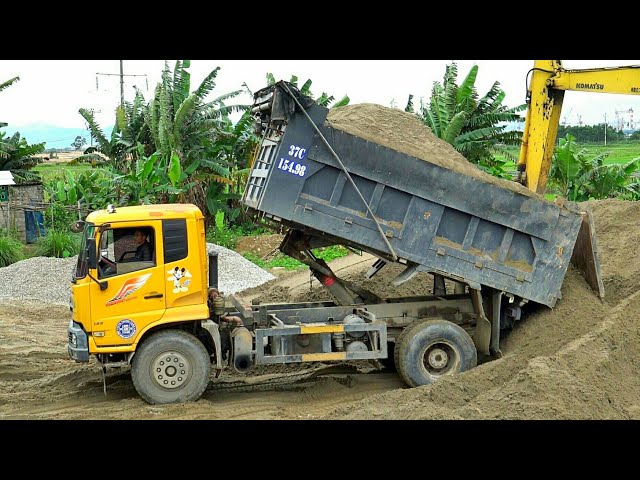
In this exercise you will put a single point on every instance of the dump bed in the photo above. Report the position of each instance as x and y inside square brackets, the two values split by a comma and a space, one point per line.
[428, 217]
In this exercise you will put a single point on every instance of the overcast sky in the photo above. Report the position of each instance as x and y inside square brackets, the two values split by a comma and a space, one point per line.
[52, 91]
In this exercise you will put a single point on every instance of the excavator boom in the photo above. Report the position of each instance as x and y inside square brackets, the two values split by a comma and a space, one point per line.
[549, 81]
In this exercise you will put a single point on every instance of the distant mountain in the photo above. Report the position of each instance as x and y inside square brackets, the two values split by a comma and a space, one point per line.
[510, 126]
[55, 137]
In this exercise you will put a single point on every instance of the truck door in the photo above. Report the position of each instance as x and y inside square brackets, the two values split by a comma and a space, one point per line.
[130, 263]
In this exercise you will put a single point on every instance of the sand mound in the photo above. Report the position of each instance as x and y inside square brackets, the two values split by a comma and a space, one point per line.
[404, 132]
[576, 361]
[616, 224]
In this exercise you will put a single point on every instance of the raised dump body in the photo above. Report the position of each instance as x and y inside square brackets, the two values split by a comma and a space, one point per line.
[340, 188]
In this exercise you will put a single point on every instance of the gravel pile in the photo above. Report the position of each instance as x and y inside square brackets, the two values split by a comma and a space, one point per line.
[236, 273]
[48, 280]
[43, 279]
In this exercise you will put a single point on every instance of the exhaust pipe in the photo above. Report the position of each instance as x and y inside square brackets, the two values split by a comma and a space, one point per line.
[213, 270]
[241, 345]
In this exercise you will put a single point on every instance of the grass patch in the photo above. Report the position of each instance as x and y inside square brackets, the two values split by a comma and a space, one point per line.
[283, 261]
[51, 171]
[620, 152]
[58, 244]
[228, 236]
[11, 249]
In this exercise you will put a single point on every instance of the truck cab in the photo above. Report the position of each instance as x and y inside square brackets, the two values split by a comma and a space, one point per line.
[116, 298]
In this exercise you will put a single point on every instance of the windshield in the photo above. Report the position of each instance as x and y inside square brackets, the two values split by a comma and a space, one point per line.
[82, 268]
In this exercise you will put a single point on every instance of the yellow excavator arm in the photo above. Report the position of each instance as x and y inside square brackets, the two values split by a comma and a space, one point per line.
[549, 81]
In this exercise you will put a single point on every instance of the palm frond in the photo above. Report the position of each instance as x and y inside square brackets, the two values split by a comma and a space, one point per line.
[8, 83]
[454, 127]
[479, 134]
[467, 86]
[342, 102]
[306, 88]
[224, 97]
[121, 122]
[450, 93]
[182, 115]
[409, 106]
[208, 84]
[94, 128]
[438, 110]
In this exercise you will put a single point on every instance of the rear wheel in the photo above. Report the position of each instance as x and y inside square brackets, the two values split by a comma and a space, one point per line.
[171, 366]
[427, 350]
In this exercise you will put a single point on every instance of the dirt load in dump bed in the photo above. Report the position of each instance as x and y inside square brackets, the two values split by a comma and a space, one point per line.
[405, 133]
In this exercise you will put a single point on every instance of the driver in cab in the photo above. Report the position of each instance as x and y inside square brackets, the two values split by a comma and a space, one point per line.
[143, 250]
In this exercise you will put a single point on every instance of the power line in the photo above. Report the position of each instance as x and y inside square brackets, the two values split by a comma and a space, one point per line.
[121, 75]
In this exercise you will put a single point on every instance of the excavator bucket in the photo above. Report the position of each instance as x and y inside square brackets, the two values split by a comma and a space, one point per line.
[585, 252]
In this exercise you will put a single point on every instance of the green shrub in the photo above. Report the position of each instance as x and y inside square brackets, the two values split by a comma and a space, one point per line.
[331, 253]
[11, 249]
[228, 236]
[284, 261]
[58, 244]
[57, 217]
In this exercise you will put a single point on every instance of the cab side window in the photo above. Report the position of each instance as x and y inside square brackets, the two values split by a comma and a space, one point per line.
[124, 250]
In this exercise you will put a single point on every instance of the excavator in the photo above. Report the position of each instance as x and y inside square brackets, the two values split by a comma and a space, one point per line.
[545, 93]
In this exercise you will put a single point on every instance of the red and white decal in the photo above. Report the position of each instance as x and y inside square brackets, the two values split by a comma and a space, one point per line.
[128, 288]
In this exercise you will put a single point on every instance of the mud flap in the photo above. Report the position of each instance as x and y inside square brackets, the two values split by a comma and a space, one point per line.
[214, 332]
[495, 301]
[482, 335]
[585, 252]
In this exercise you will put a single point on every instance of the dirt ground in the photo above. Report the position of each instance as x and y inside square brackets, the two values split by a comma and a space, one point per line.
[261, 245]
[576, 361]
[61, 157]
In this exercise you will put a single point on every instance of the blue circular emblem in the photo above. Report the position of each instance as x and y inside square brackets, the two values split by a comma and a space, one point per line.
[126, 328]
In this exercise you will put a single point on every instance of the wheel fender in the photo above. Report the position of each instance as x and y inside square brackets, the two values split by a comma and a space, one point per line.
[213, 330]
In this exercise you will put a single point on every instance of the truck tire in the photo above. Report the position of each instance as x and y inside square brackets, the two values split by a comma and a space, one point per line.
[426, 350]
[171, 366]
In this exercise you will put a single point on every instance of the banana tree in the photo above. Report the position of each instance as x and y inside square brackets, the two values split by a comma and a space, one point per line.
[133, 128]
[578, 178]
[324, 99]
[186, 129]
[474, 126]
[4, 146]
[152, 180]
[19, 157]
[113, 150]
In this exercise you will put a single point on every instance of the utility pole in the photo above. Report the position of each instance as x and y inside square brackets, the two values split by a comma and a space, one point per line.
[605, 129]
[122, 87]
[121, 75]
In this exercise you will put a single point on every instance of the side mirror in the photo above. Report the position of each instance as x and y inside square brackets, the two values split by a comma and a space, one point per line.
[78, 226]
[92, 260]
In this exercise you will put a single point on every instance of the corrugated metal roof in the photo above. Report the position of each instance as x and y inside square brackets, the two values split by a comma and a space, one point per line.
[6, 178]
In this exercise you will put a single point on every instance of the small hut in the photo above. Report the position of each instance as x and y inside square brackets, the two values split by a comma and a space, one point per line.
[20, 206]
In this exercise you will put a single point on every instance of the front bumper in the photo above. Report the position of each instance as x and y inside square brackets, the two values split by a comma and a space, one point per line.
[78, 342]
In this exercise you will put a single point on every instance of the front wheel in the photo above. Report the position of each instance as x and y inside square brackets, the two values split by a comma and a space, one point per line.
[427, 350]
[171, 366]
